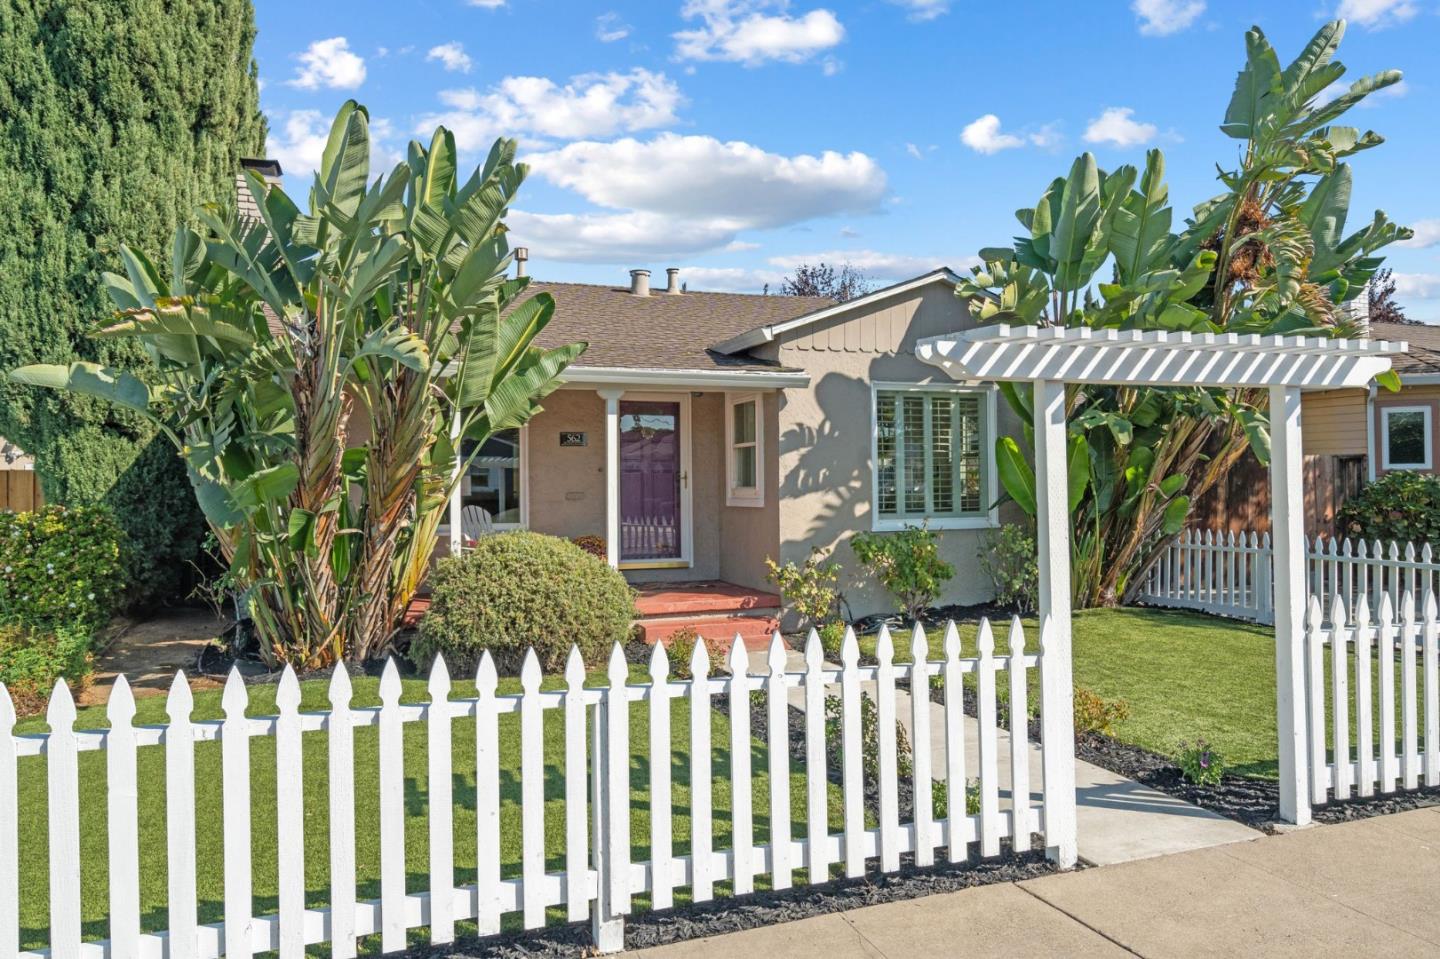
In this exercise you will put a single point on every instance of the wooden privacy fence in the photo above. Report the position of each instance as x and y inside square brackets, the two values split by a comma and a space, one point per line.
[598, 875]
[1364, 723]
[1230, 575]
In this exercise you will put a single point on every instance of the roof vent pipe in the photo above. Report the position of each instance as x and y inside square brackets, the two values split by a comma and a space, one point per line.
[640, 282]
[522, 253]
[672, 280]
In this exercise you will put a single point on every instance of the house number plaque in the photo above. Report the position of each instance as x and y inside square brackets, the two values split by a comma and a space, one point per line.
[572, 439]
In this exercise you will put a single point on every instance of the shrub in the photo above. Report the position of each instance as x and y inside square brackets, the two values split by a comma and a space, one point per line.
[810, 587]
[1008, 556]
[1400, 506]
[60, 567]
[940, 798]
[594, 545]
[1096, 714]
[832, 637]
[31, 660]
[682, 646]
[1201, 763]
[869, 736]
[518, 590]
[906, 563]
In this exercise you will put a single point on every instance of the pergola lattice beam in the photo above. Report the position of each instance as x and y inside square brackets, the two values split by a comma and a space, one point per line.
[1156, 358]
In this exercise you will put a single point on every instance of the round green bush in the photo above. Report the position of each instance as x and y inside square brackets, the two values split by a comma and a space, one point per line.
[1401, 506]
[516, 590]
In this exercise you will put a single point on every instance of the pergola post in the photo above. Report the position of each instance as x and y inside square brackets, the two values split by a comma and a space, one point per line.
[1052, 529]
[1287, 523]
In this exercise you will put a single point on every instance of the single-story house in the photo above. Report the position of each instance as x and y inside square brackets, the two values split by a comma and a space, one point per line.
[701, 434]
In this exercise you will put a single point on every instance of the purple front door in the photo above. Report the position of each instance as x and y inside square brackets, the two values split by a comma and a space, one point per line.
[650, 478]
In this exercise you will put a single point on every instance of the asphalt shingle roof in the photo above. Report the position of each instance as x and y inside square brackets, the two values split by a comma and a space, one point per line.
[663, 330]
[1424, 340]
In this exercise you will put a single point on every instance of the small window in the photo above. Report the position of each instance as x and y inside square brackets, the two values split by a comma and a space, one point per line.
[743, 454]
[1406, 436]
[930, 462]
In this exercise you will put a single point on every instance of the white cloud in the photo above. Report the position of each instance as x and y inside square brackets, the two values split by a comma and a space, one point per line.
[922, 10]
[699, 176]
[1377, 14]
[877, 265]
[742, 31]
[740, 246]
[984, 135]
[725, 279]
[1427, 234]
[688, 194]
[330, 64]
[1117, 126]
[1160, 18]
[452, 56]
[914, 151]
[1416, 286]
[609, 28]
[487, 4]
[539, 109]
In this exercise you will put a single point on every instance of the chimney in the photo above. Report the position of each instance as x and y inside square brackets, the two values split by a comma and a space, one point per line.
[640, 282]
[672, 280]
[267, 170]
[522, 253]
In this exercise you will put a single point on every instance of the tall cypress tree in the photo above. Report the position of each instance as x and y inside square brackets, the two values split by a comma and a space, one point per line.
[117, 118]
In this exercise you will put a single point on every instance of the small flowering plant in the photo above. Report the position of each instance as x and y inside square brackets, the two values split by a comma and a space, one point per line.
[60, 567]
[1201, 763]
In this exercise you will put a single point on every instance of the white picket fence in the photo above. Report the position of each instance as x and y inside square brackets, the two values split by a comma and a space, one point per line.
[1230, 575]
[599, 876]
[1364, 734]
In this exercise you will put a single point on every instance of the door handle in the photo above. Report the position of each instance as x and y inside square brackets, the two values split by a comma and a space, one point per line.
[684, 479]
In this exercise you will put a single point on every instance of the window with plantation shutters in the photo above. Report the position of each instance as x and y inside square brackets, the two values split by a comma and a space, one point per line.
[929, 454]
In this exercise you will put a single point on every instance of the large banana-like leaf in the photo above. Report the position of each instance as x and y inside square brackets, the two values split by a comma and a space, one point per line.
[117, 386]
[1080, 210]
[1016, 474]
[345, 163]
[1141, 231]
[1258, 88]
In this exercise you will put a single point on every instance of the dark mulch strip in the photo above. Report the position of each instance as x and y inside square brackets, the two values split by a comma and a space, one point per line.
[1254, 802]
[726, 915]
[934, 618]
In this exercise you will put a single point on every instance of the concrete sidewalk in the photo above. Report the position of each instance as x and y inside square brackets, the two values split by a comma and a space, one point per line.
[1367, 888]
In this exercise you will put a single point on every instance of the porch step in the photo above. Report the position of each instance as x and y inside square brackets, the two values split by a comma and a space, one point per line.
[718, 632]
[715, 597]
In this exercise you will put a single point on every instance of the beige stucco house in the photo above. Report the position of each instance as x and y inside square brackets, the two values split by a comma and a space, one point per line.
[702, 433]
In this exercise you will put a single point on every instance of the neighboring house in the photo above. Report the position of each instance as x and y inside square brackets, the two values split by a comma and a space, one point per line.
[1350, 437]
[702, 433]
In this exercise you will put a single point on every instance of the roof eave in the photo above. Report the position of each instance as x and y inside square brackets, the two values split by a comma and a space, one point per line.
[575, 376]
[767, 333]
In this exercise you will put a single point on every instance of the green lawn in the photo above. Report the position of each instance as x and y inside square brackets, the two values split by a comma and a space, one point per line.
[33, 828]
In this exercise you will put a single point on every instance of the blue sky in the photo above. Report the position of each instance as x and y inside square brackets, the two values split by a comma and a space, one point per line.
[736, 138]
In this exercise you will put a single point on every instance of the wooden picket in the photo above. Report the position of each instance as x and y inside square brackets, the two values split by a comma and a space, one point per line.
[598, 872]
[1396, 696]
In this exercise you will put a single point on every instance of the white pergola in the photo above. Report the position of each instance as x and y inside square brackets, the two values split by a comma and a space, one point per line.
[1285, 365]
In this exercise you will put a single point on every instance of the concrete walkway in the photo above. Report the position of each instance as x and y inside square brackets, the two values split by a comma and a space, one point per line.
[1117, 819]
[1366, 888]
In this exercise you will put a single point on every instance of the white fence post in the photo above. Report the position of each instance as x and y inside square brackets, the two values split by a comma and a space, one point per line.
[1057, 742]
[607, 928]
[122, 822]
[290, 816]
[235, 777]
[442, 830]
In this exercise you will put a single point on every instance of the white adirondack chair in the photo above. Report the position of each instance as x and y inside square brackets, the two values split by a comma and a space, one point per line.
[475, 522]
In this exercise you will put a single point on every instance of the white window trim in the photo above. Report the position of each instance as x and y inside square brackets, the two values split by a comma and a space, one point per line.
[989, 518]
[1389, 464]
[744, 495]
[443, 530]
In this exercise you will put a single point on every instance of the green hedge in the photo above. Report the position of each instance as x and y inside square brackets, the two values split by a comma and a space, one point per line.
[516, 590]
[60, 567]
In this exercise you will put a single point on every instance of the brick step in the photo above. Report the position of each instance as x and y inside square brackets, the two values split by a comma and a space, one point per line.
[709, 597]
[718, 634]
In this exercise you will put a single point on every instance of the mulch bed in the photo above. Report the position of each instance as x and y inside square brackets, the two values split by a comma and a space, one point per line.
[725, 915]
